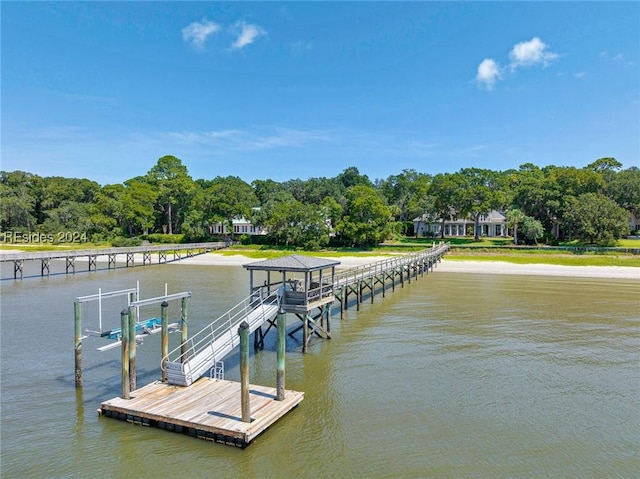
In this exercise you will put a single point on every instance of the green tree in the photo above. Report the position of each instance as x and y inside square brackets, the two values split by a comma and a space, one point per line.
[265, 189]
[351, 177]
[317, 189]
[17, 201]
[106, 211]
[624, 189]
[68, 216]
[331, 211]
[577, 181]
[408, 193]
[175, 187]
[447, 191]
[293, 223]
[229, 198]
[604, 164]
[366, 220]
[536, 193]
[138, 201]
[594, 218]
[481, 193]
[532, 229]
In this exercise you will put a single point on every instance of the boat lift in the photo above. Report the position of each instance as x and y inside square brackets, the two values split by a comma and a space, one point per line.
[138, 329]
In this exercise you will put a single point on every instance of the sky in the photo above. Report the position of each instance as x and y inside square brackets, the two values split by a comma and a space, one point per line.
[272, 90]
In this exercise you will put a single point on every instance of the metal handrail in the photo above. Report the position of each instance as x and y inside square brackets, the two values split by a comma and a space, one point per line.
[224, 323]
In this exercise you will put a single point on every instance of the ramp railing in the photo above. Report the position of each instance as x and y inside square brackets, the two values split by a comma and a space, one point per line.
[197, 355]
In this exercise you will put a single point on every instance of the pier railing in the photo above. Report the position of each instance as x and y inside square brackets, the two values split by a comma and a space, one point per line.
[111, 251]
[45, 257]
[192, 359]
[369, 270]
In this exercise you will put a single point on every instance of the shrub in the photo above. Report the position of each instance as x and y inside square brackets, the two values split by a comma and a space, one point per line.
[121, 241]
[164, 238]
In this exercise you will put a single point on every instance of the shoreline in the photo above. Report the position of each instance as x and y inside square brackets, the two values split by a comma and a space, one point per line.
[454, 266]
[457, 266]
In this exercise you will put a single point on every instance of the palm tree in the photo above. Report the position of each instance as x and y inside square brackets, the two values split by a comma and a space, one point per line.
[515, 217]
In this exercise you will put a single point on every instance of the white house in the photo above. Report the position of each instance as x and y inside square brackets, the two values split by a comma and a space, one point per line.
[492, 225]
[241, 226]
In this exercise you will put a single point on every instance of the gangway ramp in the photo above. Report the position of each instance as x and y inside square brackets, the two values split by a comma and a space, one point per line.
[189, 361]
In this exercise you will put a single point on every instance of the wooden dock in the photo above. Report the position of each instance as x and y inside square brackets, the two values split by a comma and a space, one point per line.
[209, 409]
[179, 251]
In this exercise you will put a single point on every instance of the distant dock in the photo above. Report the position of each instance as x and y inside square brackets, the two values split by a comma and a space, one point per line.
[208, 409]
[178, 251]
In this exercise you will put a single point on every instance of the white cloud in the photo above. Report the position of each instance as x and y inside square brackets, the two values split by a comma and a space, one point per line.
[300, 46]
[618, 57]
[524, 54]
[198, 32]
[257, 139]
[531, 53]
[488, 73]
[248, 33]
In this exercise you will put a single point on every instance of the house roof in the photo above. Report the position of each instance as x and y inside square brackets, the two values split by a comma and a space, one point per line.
[292, 263]
[494, 216]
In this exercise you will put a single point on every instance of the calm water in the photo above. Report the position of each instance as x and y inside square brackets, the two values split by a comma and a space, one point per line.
[452, 376]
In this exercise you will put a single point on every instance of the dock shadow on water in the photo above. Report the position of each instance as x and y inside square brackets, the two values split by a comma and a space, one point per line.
[453, 375]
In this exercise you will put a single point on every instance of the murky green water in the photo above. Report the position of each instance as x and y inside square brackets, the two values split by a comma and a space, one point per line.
[452, 376]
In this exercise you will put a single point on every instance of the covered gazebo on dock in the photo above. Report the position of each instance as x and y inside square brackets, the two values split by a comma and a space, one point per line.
[306, 283]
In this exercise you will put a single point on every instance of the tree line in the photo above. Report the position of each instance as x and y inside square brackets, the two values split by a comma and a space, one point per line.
[591, 204]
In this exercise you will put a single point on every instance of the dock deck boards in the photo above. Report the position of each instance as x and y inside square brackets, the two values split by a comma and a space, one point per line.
[209, 409]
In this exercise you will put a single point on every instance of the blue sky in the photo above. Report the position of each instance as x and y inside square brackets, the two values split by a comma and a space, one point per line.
[304, 89]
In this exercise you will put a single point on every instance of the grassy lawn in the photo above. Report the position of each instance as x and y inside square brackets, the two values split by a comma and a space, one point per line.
[554, 259]
[498, 242]
[28, 248]
[270, 252]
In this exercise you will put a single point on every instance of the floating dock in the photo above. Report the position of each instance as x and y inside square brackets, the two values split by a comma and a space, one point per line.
[209, 409]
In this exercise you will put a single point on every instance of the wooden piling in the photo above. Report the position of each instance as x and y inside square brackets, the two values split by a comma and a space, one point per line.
[281, 322]
[77, 339]
[243, 331]
[124, 325]
[164, 317]
[305, 333]
[133, 318]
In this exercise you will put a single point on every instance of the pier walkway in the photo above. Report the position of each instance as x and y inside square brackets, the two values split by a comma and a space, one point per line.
[375, 277]
[188, 362]
[234, 413]
[178, 251]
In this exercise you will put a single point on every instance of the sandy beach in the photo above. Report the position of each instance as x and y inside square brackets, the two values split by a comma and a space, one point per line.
[453, 266]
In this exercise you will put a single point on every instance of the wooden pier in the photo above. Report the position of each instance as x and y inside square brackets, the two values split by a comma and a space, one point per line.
[209, 409]
[234, 413]
[178, 251]
[377, 277]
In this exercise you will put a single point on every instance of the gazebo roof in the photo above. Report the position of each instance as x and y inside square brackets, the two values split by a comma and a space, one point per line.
[292, 263]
